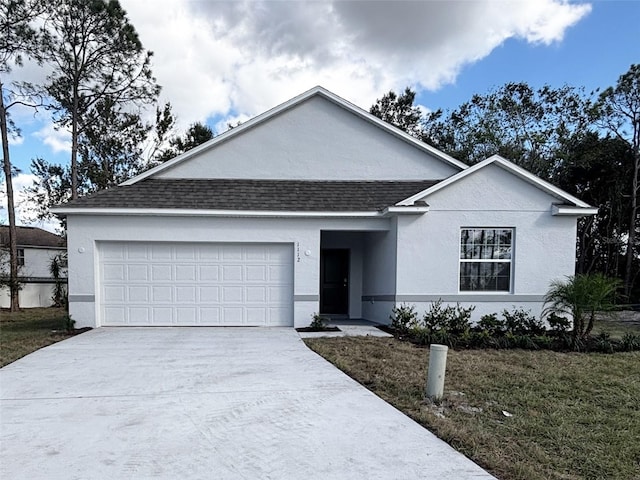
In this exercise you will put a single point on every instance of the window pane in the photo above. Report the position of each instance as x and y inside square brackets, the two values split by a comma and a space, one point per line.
[485, 276]
[487, 244]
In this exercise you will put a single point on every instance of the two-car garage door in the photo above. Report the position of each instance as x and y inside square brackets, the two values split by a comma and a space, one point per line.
[180, 284]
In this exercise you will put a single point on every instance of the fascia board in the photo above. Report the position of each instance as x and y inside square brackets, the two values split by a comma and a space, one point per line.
[386, 212]
[408, 210]
[61, 211]
[570, 210]
[263, 117]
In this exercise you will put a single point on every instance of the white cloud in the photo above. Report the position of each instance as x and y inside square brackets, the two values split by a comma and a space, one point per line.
[243, 57]
[25, 210]
[233, 120]
[58, 139]
[239, 58]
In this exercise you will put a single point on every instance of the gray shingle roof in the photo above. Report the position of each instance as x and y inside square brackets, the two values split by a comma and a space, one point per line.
[32, 237]
[265, 195]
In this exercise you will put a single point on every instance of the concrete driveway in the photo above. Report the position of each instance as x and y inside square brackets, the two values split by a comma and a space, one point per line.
[204, 403]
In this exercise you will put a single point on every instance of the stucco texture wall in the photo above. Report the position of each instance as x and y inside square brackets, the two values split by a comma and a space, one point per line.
[316, 140]
[86, 232]
[428, 246]
[37, 262]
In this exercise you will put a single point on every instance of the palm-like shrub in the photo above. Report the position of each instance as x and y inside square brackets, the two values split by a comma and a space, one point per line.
[580, 297]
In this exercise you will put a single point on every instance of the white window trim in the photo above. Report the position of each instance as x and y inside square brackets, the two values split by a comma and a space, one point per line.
[488, 260]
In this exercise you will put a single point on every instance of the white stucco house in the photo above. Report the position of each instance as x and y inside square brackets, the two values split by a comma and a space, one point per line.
[36, 249]
[315, 206]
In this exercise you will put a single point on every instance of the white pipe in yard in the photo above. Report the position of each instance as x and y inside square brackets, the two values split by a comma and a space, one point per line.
[437, 367]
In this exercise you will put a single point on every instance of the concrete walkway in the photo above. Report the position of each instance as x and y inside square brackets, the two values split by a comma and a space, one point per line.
[204, 403]
[348, 331]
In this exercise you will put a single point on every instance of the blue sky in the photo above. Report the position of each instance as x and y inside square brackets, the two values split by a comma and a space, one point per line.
[594, 53]
[229, 61]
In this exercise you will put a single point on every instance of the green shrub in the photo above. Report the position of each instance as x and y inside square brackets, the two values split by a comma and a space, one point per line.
[318, 322]
[602, 343]
[403, 318]
[630, 342]
[69, 324]
[491, 324]
[451, 325]
[453, 320]
[544, 342]
[521, 322]
[479, 339]
[557, 323]
[517, 340]
[460, 320]
[436, 318]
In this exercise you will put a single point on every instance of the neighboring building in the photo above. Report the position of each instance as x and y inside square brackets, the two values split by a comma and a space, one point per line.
[315, 206]
[36, 249]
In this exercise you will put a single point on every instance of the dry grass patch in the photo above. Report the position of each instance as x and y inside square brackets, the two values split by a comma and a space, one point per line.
[574, 415]
[29, 330]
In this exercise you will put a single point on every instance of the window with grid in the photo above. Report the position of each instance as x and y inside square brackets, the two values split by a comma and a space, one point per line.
[486, 259]
[21, 257]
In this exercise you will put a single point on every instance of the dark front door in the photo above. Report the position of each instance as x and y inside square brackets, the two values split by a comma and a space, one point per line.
[334, 281]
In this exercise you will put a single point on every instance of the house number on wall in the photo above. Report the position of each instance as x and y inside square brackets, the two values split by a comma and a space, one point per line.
[297, 251]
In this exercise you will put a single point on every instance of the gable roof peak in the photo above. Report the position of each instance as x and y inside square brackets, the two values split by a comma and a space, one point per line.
[511, 168]
[288, 105]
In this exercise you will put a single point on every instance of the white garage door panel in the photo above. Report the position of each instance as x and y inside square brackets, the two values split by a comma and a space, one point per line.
[196, 284]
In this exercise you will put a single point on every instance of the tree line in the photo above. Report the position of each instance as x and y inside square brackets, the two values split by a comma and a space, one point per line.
[98, 86]
[588, 144]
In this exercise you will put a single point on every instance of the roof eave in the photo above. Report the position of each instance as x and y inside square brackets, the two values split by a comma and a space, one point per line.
[573, 211]
[382, 213]
[405, 210]
[61, 211]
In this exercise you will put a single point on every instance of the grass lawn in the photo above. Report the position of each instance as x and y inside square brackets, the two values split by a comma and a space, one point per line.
[28, 330]
[574, 415]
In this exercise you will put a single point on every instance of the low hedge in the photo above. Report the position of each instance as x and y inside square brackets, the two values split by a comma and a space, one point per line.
[451, 326]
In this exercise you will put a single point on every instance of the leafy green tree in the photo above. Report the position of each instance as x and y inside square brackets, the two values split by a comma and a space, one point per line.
[165, 122]
[51, 187]
[619, 111]
[114, 148]
[111, 147]
[580, 298]
[399, 111]
[598, 170]
[520, 123]
[97, 59]
[197, 134]
[18, 39]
